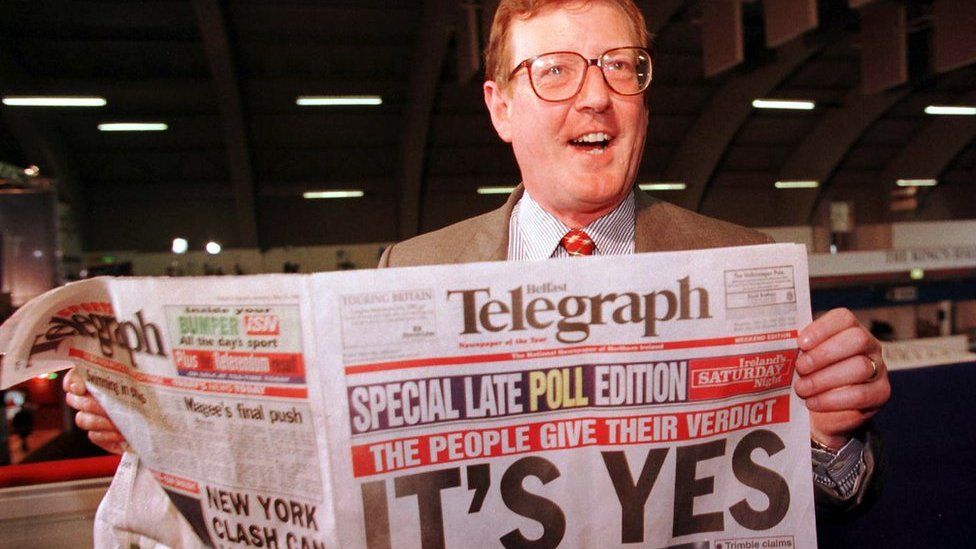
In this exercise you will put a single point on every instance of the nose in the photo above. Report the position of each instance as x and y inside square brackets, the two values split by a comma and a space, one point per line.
[595, 93]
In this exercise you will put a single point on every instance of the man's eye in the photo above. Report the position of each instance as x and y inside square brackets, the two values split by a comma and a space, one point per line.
[620, 65]
[555, 70]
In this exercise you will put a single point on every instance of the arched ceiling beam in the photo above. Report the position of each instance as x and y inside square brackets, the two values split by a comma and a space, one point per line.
[488, 8]
[660, 12]
[468, 40]
[824, 147]
[213, 32]
[932, 150]
[426, 63]
[729, 108]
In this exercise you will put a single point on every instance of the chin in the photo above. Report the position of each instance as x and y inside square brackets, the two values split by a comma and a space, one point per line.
[608, 187]
[602, 197]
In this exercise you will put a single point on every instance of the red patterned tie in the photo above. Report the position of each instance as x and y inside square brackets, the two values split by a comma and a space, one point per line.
[577, 243]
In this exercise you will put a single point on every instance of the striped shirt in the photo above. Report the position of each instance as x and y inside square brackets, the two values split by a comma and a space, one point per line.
[534, 233]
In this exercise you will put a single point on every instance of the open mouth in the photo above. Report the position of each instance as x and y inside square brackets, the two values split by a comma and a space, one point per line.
[592, 143]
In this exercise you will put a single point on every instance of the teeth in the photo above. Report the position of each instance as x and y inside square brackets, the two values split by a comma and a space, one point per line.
[595, 137]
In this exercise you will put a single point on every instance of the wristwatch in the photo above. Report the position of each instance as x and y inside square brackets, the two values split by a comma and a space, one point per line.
[838, 470]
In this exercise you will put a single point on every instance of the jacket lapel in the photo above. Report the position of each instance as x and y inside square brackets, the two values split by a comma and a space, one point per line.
[651, 231]
[489, 241]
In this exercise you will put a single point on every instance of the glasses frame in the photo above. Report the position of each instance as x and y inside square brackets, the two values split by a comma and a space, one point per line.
[596, 62]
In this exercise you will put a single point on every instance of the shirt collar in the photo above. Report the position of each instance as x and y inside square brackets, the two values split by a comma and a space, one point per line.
[613, 233]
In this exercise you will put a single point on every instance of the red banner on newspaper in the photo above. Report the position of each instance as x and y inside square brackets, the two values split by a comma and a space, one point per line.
[410, 452]
[241, 366]
[186, 485]
[726, 376]
[203, 385]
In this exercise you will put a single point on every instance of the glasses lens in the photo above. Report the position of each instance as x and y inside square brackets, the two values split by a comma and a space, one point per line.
[627, 70]
[557, 76]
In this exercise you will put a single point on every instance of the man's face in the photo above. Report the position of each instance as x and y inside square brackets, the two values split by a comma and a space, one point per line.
[575, 181]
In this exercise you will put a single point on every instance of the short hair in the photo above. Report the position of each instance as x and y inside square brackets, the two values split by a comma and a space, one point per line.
[497, 53]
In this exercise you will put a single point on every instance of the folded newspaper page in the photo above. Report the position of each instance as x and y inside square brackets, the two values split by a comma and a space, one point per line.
[586, 402]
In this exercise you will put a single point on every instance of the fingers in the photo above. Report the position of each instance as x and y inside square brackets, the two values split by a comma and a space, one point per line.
[102, 432]
[825, 327]
[841, 375]
[109, 441]
[849, 342]
[863, 398]
[73, 383]
[85, 403]
[94, 422]
[91, 416]
[850, 371]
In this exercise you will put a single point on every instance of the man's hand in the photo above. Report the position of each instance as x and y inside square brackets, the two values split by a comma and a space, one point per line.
[843, 378]
[91, 416]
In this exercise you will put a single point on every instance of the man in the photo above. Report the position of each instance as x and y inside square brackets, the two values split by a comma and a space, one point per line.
[577, 125]
[566, 83]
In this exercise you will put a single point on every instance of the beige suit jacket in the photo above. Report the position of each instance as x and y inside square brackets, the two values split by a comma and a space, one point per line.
[658, 226]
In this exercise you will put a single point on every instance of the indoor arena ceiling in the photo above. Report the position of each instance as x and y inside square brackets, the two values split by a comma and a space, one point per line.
[239, 152]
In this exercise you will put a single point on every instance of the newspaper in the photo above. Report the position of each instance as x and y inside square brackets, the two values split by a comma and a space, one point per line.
[582, 402]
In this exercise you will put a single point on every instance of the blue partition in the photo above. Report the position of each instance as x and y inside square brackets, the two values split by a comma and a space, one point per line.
[928, 498]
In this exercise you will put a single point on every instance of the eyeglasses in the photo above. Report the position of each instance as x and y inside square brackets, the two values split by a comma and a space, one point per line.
[559, 75]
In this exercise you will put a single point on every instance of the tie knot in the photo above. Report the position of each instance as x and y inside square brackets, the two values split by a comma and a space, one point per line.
[576, 242]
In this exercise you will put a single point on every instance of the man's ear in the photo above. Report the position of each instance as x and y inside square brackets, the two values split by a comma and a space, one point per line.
[498, 102]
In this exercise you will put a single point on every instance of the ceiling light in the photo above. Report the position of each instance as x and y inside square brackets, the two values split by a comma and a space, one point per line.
[796, 184]
[53, 101]
[917, 182]
[950, 110]
[495, 190]
[675, 186]
[338, 100]
[784, 104]
[133, 127]
[180, 246]
[213, 248]
[348, 193]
